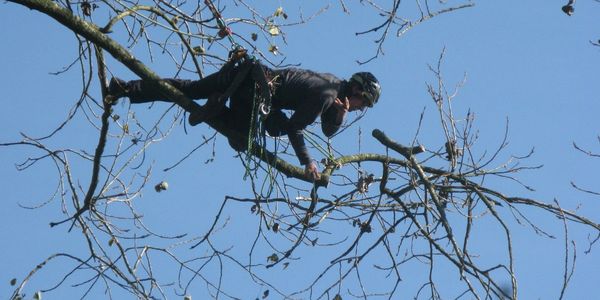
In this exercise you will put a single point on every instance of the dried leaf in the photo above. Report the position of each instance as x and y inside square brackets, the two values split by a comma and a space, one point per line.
[273, 49]
[86, 7]
[278, 12]
[337, 297]
[37, 295]
[126, 128]
[223, 32]
[199, 50]
[568, 9]
[365, 227]
[254, 37]
[274, 30]
[161, 186]
[276, 227]
[13, 281]
[273, 258]
[265, 294]
[187, 297]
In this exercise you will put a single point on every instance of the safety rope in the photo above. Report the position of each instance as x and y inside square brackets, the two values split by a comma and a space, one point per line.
[224, 31]
[261, 99]
[261, 102]
[317, 145]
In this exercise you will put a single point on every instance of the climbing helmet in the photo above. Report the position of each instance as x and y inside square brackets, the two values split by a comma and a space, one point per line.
[369, 85]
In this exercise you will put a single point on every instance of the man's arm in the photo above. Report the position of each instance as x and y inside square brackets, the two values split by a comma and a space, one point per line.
[332, 119]
[296, 137]
[278, 124]
[301, 118]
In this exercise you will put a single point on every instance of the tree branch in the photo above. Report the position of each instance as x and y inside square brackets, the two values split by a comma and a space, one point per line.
[95, 35]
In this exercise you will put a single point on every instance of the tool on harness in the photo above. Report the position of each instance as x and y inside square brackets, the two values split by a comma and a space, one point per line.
[237, 53]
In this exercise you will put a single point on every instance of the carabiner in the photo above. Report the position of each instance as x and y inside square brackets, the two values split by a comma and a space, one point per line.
[264, 109]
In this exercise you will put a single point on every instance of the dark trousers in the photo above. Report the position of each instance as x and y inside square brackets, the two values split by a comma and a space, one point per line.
[237, 116]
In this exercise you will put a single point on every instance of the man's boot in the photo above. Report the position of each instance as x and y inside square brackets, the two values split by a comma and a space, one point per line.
[117, 88]
[213, 107]
[238, 145]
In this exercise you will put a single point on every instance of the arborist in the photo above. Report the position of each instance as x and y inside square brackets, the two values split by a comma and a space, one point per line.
[305, 93]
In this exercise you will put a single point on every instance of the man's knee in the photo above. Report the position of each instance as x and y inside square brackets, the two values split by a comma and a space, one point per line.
[238, 145]
[276, 123]
[275, 131]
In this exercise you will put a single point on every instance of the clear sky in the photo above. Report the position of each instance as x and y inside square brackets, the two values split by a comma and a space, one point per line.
[525, 62]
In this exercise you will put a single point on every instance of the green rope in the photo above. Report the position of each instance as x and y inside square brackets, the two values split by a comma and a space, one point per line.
[257, 137]
[254, 128]
[256, 131]
[314, 143]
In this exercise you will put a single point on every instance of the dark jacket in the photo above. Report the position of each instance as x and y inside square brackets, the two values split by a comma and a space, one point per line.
[309, 95]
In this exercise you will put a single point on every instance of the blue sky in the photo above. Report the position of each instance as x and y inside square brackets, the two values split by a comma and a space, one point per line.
[525, 62]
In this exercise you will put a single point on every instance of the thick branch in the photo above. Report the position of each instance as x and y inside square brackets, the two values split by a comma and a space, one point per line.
[94, 34]
[386, 141]
[89, 200]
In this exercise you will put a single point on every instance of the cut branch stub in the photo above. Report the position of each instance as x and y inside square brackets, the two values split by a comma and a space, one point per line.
[405, 151]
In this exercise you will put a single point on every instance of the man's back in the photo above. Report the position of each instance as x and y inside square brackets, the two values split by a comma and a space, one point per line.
[299, 87]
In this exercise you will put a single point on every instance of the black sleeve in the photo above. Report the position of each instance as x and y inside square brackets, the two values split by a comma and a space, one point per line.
[297, 140]
[302, 117]
[329, 123]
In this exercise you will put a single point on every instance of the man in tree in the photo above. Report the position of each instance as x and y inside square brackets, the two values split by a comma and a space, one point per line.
[308, 94]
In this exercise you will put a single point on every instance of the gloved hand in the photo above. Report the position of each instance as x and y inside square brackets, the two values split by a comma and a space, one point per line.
[117, 88]
[311, 171]
[342, 107]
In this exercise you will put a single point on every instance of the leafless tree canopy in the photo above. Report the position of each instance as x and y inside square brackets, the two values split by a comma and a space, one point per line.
[404, 207]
